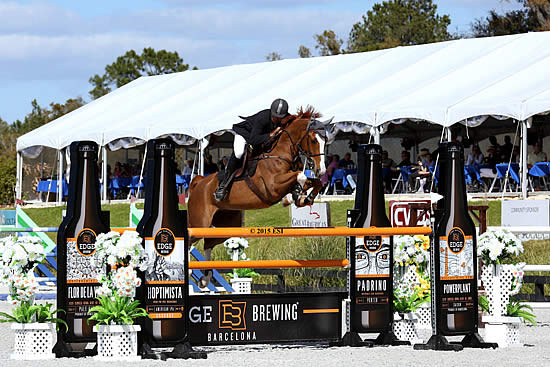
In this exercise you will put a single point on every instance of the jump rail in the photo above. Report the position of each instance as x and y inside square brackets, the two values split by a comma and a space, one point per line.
[224, 232]
[269, 264]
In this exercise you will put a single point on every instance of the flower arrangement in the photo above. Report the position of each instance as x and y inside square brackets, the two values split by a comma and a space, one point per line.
[20, 256]
[410, 250]
[406, 301]
[498, 245]
[124, 253]
[235, 248]
[514, 308]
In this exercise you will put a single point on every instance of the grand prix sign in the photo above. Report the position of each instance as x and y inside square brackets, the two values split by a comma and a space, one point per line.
[400, 214]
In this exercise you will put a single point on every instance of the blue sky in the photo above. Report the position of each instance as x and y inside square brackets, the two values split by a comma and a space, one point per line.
[50, 48]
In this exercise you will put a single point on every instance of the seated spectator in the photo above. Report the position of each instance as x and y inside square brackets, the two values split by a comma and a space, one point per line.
[346, 163]
[209, 166]
[188, 167]
[118, 170]
[422, 172]
[515, 154]
[387, 162]
[537, 155]
[475, 157]
[405, 159]
[325, 179]
[422, 155]
[490, 160]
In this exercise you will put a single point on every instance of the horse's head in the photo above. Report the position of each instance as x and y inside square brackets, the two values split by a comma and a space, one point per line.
[308, 139]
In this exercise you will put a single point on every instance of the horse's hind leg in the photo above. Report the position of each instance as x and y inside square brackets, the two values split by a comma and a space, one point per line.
[222, 218]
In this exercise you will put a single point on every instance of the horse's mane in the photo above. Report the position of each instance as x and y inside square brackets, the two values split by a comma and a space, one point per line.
[308, 113]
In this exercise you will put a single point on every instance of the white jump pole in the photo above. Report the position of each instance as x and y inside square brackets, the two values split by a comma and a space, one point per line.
[104, 173]
[60, 176]
[524, 172]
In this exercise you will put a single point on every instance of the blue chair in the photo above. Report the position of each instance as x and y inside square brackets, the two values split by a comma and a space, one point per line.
[338, 177]
[134, 184]
[513, 174]
[540, 170]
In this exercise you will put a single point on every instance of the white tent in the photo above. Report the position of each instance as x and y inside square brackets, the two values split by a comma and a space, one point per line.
[443, 83]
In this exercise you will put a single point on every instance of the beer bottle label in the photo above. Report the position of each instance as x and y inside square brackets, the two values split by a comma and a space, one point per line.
[82, 273]
[165, 275]
[372, 269]
[456, 256]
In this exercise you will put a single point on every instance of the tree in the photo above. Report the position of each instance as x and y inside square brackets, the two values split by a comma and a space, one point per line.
[131, 66]
[513, 22]
[304, 52]
[328, 43]
[541, 12]
[399, 23]
[273, 56]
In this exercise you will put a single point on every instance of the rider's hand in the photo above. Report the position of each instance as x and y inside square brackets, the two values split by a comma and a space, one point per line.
[275, 132]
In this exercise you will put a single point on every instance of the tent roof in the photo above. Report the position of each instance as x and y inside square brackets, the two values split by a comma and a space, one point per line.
[443, 83]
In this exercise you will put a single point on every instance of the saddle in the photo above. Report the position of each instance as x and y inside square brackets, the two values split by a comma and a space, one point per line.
[247, 169]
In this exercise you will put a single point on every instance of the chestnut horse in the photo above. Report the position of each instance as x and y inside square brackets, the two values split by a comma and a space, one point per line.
[279, 174]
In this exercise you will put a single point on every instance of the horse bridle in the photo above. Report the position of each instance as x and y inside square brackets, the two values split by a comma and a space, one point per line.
[298, 150]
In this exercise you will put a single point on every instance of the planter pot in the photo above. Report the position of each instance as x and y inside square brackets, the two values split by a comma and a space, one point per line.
[117, 342]
[33, 341]
[242, 285]
[503, 330]
[404, 327]
[499, 283]
[424, 313]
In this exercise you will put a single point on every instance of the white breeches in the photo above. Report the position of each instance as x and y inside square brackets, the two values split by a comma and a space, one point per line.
[239, 145]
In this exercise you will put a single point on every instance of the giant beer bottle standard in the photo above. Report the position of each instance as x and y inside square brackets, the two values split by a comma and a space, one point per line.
[77, 271]
[372, 284]
[454, 254]
[163, 230]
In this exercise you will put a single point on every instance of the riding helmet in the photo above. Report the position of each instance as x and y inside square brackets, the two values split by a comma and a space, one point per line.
[279, 108]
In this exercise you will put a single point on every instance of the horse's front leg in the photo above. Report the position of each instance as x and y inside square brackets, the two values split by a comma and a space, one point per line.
[314, 186]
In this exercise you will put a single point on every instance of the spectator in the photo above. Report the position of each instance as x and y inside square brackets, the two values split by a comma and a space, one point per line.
[475, 157]
[405, 159]
[515, 154]
[537, 155]
[109, 172]
[188, 167]
[346, 163]
[422, 156]
[330, 169]
[209, 166]
[507, 148]
[387, 162]
[422, 172]
[118, 170]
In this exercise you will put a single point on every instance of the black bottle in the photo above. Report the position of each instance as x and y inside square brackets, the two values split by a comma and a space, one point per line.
[371, 286]
[77, 272]
[163, 228]
[454, 254]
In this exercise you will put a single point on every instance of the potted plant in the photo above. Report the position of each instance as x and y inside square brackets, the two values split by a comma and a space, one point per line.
[405, 303]
[34, 325]
[501, 281]
[411, 265]
[117, 311]
[241, 279]
[504, 330]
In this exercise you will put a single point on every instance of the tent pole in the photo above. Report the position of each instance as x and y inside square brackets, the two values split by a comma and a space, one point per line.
[104, 173]
[448, 134]
[524, 171]
[60, 176]
[202, 148]
[376, 135]
[19, 176]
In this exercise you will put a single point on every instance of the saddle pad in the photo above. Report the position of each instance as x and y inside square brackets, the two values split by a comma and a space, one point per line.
[250, 169]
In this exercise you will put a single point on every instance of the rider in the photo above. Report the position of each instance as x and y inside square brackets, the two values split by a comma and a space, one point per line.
[255, 130]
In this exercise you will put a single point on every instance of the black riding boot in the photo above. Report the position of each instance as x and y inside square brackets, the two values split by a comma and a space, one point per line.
[232, 166]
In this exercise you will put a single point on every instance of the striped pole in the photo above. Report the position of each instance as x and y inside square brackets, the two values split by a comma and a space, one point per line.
[269, 264]
[28, 229]
[225, 232]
